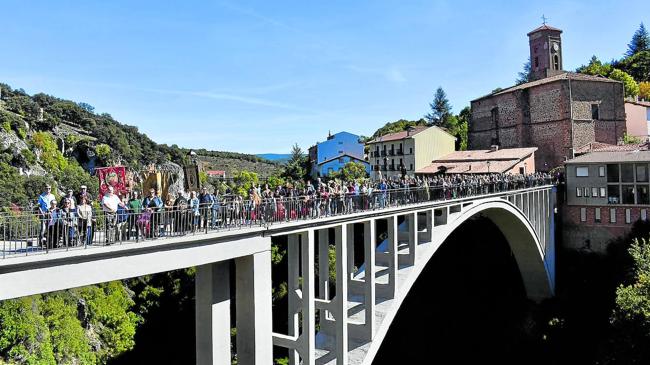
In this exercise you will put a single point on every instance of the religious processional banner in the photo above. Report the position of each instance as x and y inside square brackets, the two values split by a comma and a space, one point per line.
[191, 177]
[114, 176]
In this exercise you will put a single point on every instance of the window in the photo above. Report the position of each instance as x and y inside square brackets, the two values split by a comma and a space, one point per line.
[340, 159]
[613, 194]
[411, 167]
[578, 192]
[582, 171]
[627, 172]
[603, 192]
[411, 150]
[340, 142]
[595, 112]
[586, 194]
[594, 192]
[536, 61]
[644, 214]
[400, 162]
[521, 171]
[612, 215]
[601, 171]
[597, 215]
[642, 173]
[556, 62]
[612, 173]
[628, 194]
[628, 216]
[642, 195]
[583, 214]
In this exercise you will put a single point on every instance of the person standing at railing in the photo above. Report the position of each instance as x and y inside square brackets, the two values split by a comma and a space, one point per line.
[216, 208]
[110, 202]
[70, 198]
[153, 204]
[84, 194]
[54, 225]
[194, 208]
[44, 202]
[85, 214]
[69, 218]
[206, 201]
[134, 207]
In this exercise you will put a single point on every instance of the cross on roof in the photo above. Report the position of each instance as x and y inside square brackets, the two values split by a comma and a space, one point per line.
[544, 19]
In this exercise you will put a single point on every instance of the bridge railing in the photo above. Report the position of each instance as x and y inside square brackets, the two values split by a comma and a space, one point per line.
[25, 233]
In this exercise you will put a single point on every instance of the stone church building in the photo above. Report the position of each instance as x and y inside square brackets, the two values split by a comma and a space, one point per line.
[558, 112]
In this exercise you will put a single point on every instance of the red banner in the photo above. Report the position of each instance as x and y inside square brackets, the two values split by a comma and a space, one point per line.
[114, 176]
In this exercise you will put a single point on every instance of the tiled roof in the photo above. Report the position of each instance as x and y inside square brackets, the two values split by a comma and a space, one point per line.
[546, 80]
[476, 161]
[478, 155]
[469, 167]
[604, 147]
[544, 27]
[399, 135]
[639, 102]
[605, 157]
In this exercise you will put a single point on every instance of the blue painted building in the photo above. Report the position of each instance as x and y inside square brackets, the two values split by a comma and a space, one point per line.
[332, 154]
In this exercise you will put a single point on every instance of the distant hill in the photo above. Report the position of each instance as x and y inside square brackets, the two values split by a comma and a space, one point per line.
[275, 157]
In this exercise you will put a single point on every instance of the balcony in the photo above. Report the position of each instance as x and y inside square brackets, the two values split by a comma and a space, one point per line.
[384, 167]
[400, 152]
[375, 167]
[383, 153]
[392, 152]
[391, 167]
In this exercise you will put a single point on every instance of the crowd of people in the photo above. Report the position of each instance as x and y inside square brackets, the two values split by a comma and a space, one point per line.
[72, 220]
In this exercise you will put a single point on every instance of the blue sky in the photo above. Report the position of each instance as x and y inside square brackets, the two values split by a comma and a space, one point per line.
[257, 76]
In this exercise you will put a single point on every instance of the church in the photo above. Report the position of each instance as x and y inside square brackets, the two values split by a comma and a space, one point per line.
[557, 111]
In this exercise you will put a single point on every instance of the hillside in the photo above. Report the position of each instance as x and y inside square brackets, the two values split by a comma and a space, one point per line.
[47, 139]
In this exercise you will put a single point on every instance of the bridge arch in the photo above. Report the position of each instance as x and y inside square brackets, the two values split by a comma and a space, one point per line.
[521, 237]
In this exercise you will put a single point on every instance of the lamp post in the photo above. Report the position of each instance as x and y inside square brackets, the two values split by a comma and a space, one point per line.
[525, 168]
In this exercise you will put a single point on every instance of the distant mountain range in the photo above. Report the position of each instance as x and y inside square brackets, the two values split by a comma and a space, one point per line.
[276, 157]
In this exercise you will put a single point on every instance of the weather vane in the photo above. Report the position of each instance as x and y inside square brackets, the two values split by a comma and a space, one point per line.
[544, 19]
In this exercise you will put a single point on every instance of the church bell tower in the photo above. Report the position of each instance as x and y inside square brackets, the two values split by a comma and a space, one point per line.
[545, 52]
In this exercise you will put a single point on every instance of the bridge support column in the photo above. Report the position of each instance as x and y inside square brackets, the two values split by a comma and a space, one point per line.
[323, 277]
[294, 297]
[369, 248]
[341, 299]
[212, 285]
[429, 217]
[412, 219]
[308, 336]
[393, 262]
[254, 313]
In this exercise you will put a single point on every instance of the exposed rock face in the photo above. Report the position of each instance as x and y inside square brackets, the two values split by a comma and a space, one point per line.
[174, 175]
[12, 141]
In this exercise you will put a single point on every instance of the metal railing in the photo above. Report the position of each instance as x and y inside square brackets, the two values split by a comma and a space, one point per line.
[29, 233]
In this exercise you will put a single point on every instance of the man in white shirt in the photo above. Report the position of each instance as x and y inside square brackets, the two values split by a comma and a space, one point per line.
[110, 201]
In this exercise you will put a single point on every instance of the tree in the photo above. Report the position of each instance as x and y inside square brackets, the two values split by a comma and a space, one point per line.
[525, 75]
[637, 65]
[351, 171]
[440, 109]
[463, 127]
[296, 153]
[630, 139]
[640, 42]
[595, 67]
[644, 90]
[397, 126]
[630, 86]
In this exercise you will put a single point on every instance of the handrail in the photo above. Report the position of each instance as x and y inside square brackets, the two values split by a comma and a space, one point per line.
[28, 233]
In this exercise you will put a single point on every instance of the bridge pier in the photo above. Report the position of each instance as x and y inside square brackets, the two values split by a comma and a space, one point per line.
[253, 315]
[212, 287]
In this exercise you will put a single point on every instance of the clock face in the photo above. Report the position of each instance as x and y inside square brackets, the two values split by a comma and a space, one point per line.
[556, 47]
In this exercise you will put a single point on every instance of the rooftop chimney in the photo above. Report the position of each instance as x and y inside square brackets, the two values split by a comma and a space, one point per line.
[409, 130]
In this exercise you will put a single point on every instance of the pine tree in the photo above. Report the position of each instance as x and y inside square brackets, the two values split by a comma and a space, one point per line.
[440, 109]
[640, 42]
[525, 75]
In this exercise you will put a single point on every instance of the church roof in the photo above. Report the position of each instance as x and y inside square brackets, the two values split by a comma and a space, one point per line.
[544, 27]
[547, 80]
